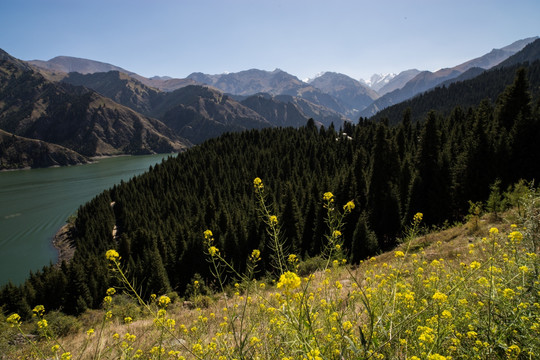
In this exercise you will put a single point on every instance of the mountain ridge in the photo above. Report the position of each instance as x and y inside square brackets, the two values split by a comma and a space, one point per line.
[426, 80]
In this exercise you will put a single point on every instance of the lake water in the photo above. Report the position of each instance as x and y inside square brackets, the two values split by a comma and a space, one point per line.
[35, 203]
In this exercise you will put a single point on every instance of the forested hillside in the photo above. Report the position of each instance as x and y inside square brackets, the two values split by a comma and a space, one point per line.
[435, 167]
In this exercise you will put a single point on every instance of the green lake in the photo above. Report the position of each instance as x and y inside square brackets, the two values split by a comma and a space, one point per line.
[35, 203]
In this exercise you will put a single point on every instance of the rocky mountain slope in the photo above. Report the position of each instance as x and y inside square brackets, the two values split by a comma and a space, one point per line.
[18, 152]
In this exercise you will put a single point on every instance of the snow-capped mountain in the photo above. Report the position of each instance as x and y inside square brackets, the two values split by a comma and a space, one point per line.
[377, 81]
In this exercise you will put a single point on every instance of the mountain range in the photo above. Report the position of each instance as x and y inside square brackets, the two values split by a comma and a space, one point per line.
[81, 108]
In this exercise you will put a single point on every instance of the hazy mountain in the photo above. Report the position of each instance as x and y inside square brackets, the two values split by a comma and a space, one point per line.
[152, 102]
[19, 152]
[199, 113]
[75, 117]
[276, 82]
[69, 64]
[473, 86]
[529, 53]
[398, 81]
[426, 80]
[55, 67]
[350, 92]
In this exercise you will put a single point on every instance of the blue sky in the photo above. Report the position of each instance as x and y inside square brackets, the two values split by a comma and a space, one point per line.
[302, 37]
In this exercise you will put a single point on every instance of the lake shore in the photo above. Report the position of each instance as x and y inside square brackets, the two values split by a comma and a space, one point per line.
[62, 242]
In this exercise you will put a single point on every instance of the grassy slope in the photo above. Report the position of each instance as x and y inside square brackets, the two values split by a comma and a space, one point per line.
[387, 307]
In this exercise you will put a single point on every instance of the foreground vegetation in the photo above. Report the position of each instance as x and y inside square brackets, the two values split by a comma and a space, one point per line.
[468, 292]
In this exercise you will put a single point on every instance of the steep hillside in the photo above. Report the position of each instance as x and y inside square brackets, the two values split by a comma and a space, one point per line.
[277, 112]
[17, 152]
[120, 87]
[75, 117]
[199, 113]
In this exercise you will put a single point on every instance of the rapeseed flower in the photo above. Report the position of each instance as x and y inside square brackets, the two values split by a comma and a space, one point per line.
[208, 235]
[39, 310]
[42, 324]
[14, 320]
[273, 220]
[349, 206]
[212, 250]
[112, 255]
[164, 300]
[439, 297]
[289, 281]
[257, 183]
[255, 255]
[328, 196]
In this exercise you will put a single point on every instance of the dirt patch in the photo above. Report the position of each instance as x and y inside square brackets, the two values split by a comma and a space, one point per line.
[62, 242]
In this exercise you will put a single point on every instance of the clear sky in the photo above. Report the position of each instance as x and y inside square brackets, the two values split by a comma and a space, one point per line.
[302, 37]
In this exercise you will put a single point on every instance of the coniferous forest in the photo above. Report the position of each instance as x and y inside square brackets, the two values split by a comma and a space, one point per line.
[436, 166]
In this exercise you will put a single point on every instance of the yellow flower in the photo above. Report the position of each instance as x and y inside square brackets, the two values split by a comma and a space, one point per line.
[446, 314]
[328, 196]
[292, 259]
[42, 324]
[128, 320]
[399, 254]
[111, 291]
[515, 236]
[289, 281]
[90, 332]
[509, 293]
[55, 348]
[39, 310]
[164, 300]
[347, 325]
[257, 183]
[336, 234]
[66, 356]
[112, 255]
[493, 231]
[349, 206]
[439, 297]
[513, 351]
[436, 357]
[273, 219]
[208, 234]
[14, 320]
[255, 255]
[418, 217]
[254, 340]
[212, 250]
